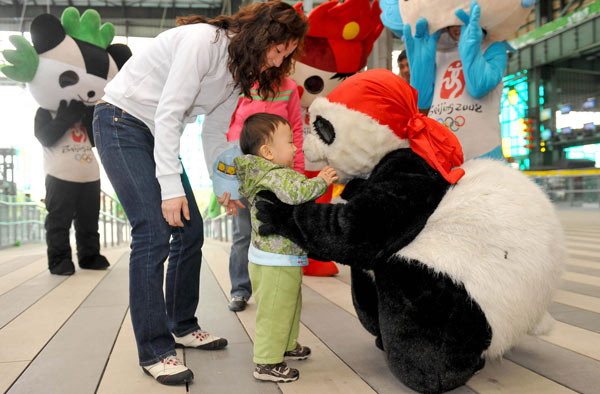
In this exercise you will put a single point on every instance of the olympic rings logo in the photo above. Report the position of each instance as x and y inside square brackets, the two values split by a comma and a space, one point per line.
[453, 123]
[84, 158]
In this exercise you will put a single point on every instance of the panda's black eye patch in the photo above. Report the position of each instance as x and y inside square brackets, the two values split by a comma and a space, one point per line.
[68, 78]
[324, 129]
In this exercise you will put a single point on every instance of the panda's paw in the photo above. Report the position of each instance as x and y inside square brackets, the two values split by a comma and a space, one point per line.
[276, 216]
[379, 342]
[97, 262]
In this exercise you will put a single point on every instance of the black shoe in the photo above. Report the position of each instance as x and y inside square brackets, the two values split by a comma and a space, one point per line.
[279, 373]
[97, 262]
[65, 267]
[237, 304]
[299, 353]
[379, 342]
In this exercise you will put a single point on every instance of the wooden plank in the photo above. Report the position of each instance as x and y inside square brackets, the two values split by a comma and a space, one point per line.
[585, 254]
[588, 247]
[575, 339]
[576, 317]
[16, 277]
[506, 377]
[578, 300]
[581, 278]
[583, 263]
[353, 343]
[73, 361]
[123, 375]
[17, 300]
[582, 237]
[11, 253]
[568, 368]
[83, 343]
[15, 263]
[8, 373]
[228, 370]
[336, 291]
[26, 335]
[344, 275]
[583, 269]
[580, 288]
[324, 372]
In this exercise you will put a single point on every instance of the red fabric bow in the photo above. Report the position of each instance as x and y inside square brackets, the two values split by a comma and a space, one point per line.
[390, 101]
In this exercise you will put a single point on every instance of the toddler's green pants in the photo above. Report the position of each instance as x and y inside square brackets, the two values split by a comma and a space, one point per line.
[278, 296]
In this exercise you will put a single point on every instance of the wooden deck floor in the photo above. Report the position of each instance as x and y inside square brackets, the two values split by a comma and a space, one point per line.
[73, 335]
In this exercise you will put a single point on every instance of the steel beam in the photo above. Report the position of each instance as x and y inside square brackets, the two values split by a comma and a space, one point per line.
[107, 13]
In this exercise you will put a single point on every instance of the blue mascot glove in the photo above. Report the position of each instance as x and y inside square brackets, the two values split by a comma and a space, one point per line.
[528, 3]
[224, 178]
[420, 51]
[390, 16]
[482, 71]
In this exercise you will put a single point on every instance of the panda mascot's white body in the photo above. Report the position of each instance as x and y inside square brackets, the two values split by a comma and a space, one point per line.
[66, 70]
[446, 270]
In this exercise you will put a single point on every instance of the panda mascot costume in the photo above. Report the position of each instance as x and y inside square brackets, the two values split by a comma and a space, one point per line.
[339, 40]
[66, 70]
[451, 262]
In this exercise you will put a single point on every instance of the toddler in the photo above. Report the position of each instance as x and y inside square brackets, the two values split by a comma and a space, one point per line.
[275, 263]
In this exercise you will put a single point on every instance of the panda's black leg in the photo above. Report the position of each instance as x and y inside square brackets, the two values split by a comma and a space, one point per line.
[433, 333]
[364, 297]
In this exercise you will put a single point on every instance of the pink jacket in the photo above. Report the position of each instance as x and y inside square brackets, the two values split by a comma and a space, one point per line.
[286, 104]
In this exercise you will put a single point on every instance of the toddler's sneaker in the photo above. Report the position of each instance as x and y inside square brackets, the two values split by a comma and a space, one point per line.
[200, 340]
[279, 373]
[299, 353]
[169, 371]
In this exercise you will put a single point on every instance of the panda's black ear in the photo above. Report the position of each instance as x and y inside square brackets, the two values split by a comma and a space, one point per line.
[46, 33]
[324, 129]
[120, 53]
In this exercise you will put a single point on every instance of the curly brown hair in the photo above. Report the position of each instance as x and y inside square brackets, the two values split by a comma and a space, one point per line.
[253, 30]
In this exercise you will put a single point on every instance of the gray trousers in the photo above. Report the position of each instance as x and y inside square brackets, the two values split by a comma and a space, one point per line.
[238, 258]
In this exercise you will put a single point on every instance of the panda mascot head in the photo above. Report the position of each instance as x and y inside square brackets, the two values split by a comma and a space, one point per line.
[451, 262]
[370, 115]
[68, 61]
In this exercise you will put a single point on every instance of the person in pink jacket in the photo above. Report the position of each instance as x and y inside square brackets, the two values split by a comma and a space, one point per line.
[285, 103]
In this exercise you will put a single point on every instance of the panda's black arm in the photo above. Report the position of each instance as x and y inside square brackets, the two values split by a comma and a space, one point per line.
[88, 122]
[373, 223]
[48, 130]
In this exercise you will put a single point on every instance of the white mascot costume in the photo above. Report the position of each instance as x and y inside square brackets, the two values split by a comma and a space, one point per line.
[457, 56]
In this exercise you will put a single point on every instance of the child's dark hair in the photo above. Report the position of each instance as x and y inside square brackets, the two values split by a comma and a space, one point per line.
[402, 56]
[258, 129]
[253, 30]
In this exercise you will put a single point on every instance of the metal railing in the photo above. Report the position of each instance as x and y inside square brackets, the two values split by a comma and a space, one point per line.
[219, 228]
[112, 223]
[570, 188]
[22, 221]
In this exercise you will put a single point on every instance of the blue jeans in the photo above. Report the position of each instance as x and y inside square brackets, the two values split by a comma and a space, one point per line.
[126, 146]
[238, 258]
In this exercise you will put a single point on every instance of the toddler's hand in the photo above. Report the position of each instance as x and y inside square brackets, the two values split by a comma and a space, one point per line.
[329, 174]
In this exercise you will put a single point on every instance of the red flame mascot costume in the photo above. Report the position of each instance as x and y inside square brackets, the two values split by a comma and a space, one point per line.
[340, 38]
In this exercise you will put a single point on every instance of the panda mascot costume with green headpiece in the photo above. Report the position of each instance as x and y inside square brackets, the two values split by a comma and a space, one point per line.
[451, 262]
[66, 70]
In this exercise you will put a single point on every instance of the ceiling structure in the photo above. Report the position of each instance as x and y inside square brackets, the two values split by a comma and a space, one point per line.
[137, 18]
[130, 17]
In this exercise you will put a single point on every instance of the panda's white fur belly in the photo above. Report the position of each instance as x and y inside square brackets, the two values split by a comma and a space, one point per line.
[496, 233]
